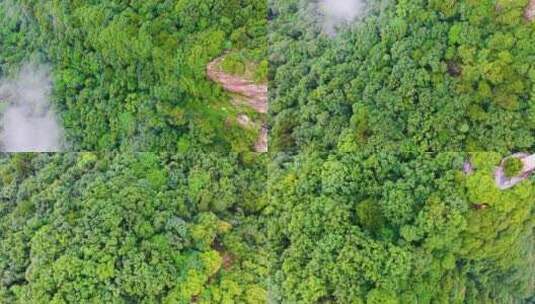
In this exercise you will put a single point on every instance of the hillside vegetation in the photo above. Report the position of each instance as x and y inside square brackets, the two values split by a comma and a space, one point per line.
[399, 228]
[131, 228]
[411, 75]
[131, 75]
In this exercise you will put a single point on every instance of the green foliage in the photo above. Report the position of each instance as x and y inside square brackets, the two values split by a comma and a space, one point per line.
[370, 216]
[411, 75]
[398, 228]
[244, 64]
[233, 64]
[131, 76]
[512, 166]
[360, 213]
[126, 228]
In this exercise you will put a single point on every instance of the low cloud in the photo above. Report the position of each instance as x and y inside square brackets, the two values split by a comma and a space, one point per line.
[28, 121]
[338, 12]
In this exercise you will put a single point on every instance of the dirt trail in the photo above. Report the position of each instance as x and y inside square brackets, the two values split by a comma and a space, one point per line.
[530, 11]
[252, 94]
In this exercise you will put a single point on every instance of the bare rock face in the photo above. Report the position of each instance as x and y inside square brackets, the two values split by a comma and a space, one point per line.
[530, 11]
[262, 142]
[255, 94]
[251, 94]
[244, 121]
[503, 182]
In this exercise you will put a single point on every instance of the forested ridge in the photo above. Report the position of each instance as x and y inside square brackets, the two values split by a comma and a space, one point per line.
[131, 228]
[359, 213]
[399, 228]
[420, 75]
[393, 175]
[131, 75]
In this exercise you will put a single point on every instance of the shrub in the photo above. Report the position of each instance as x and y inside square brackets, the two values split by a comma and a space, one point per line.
[512, 167]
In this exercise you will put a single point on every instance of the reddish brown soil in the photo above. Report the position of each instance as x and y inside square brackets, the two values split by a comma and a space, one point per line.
[228, 260]
[255, 94]
[252, 94]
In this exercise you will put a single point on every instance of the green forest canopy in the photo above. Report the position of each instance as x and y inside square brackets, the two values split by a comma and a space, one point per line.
[419, 75]
[330, 228]
[131, 228]
[399, 228]
[131, 74]
[352, 222]
[336, 226]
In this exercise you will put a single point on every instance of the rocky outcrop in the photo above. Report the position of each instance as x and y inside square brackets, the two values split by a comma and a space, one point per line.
[262, 142]
[250, 94]
[503, 182]
[255, 94]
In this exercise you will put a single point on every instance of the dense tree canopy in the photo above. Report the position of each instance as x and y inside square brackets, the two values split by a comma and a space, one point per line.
[355, 222]
[131, 74]
[399, 228]
[413, 75]
[131, 228]
[377, 189]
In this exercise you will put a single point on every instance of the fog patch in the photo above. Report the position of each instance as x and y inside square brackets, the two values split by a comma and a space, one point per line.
[28, 121]
[336, 13]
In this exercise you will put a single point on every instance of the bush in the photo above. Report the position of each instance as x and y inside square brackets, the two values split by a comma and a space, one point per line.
[233, 64]
[512, 167]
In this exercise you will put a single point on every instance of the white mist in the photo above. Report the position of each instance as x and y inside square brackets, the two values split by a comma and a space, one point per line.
[29, 123]
[338, 12]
